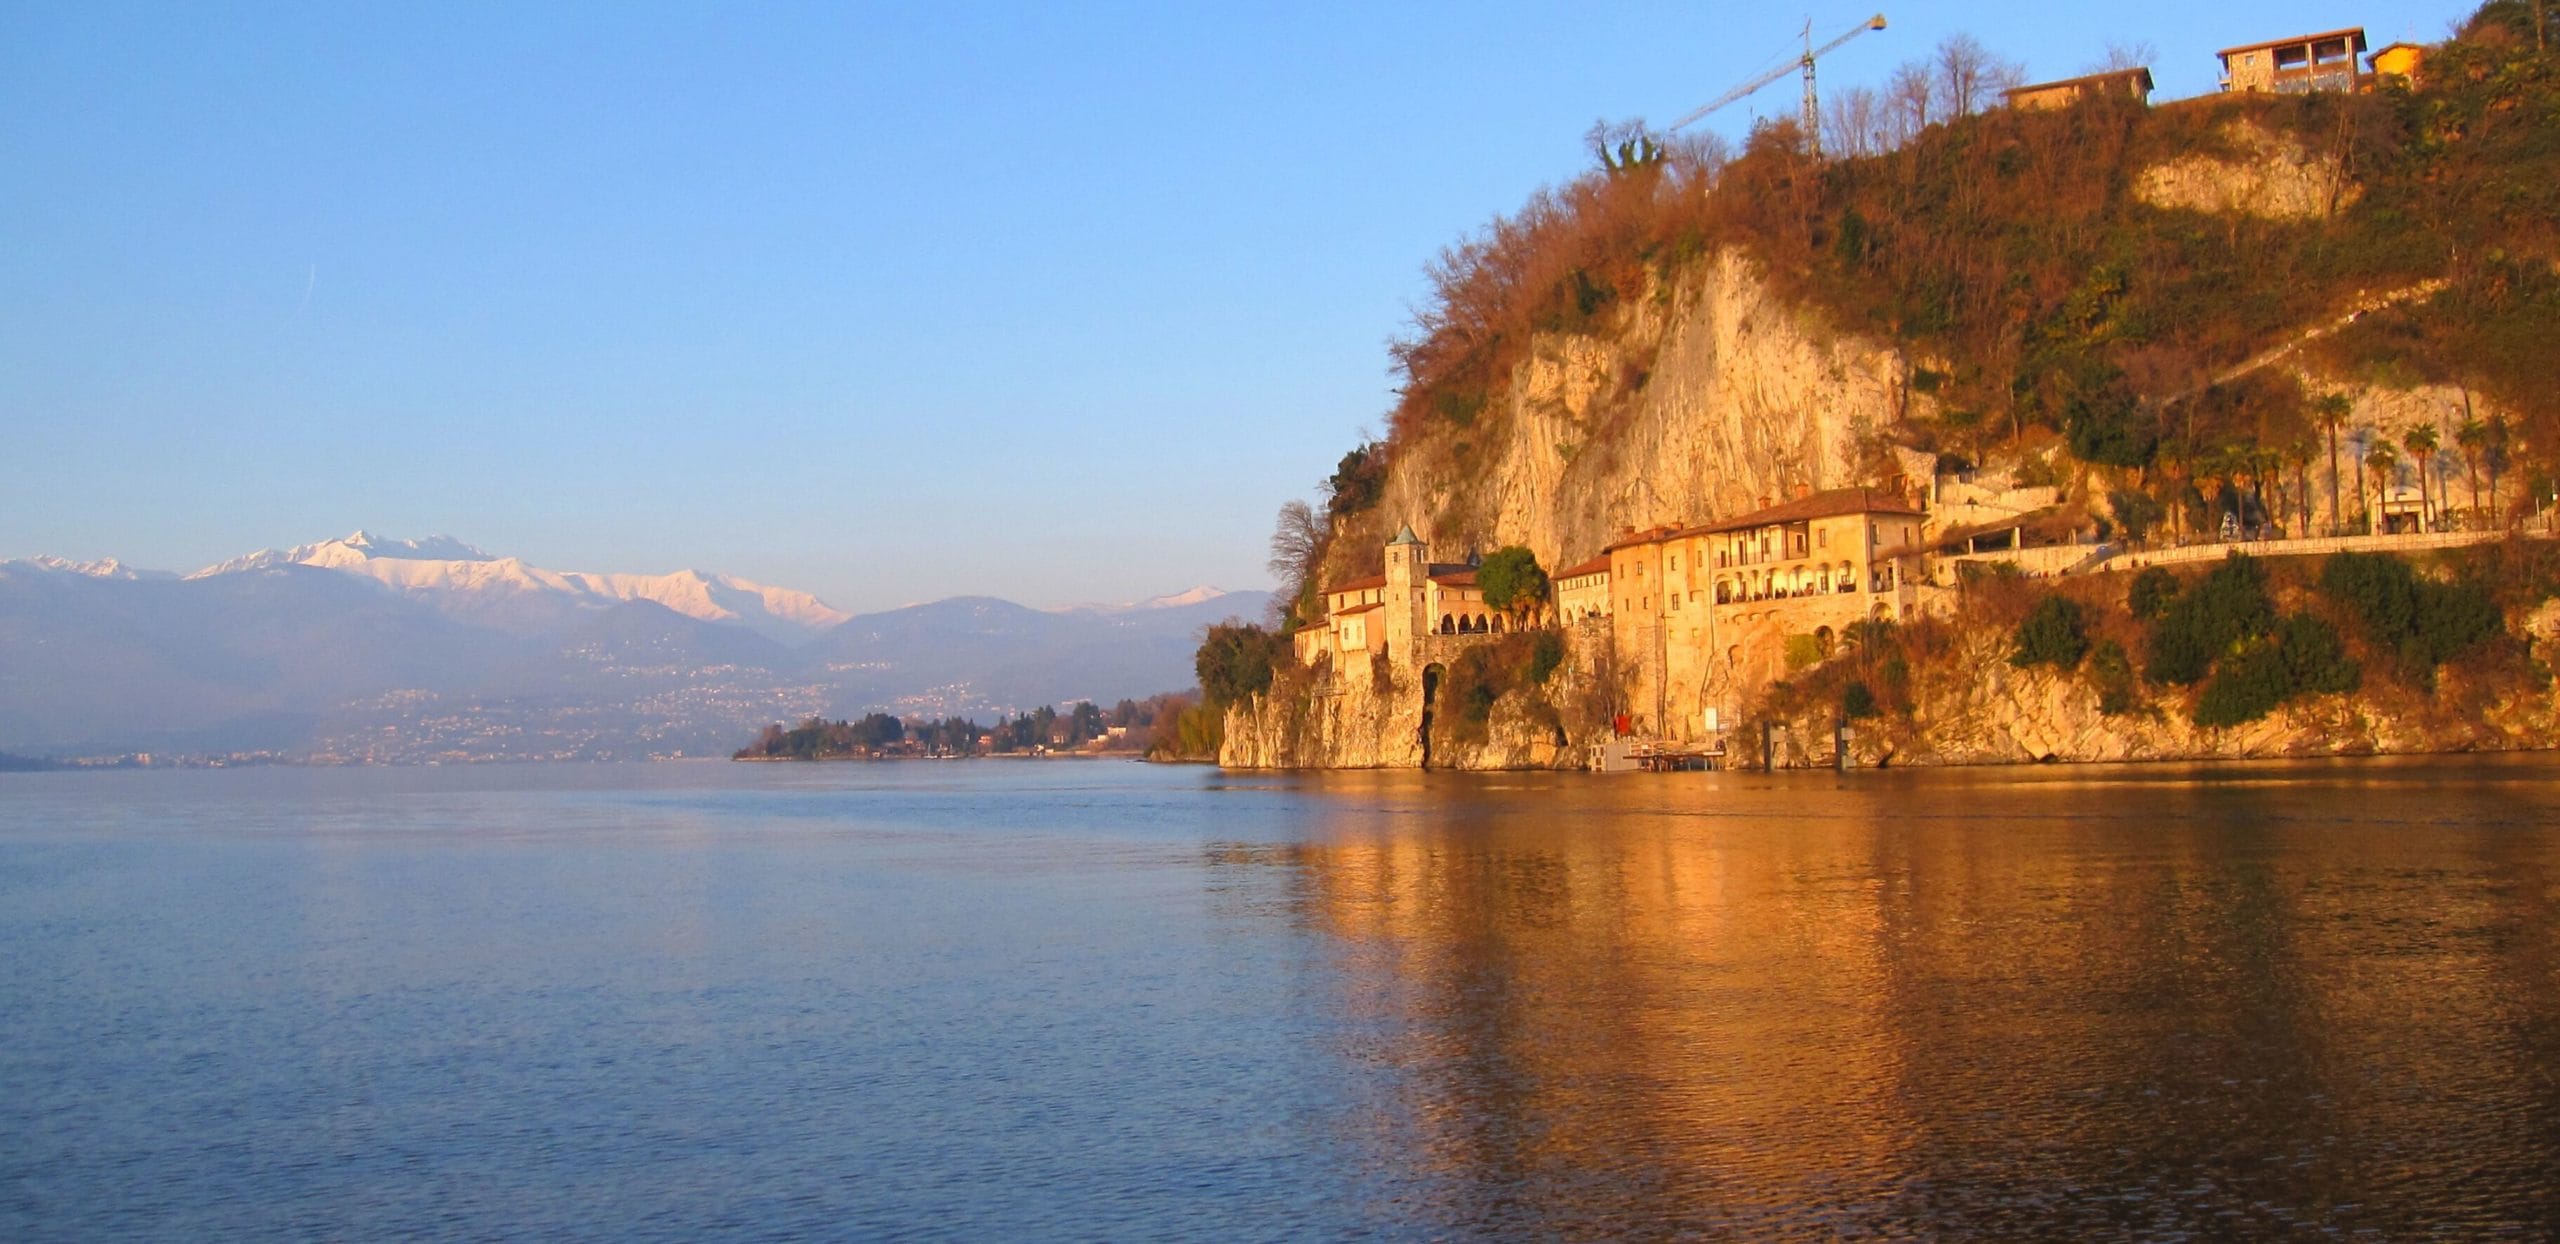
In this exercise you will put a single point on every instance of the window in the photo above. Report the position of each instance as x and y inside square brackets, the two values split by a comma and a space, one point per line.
[1822, 538]
[1675, 561]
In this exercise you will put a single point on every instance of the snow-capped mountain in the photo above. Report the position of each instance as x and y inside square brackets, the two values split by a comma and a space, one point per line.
[102, 568]
[471, 581]
[1201, 595]
[350, 552]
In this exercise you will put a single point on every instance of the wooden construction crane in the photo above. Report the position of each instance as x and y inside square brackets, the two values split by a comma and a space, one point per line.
[1812, 109]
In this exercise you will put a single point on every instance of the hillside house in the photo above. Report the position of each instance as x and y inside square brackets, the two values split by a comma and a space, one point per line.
[2400, 62]
[2302, 63]
[2134, 84]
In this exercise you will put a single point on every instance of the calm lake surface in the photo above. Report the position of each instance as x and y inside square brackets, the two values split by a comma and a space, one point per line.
[1111, 1001]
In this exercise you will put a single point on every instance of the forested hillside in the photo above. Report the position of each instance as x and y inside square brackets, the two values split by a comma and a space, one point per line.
[2137, 301]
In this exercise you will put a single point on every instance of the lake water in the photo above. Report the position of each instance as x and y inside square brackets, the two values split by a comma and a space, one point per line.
[1112, 1001]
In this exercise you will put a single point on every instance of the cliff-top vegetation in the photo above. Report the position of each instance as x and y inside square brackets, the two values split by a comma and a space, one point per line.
[2035, 294]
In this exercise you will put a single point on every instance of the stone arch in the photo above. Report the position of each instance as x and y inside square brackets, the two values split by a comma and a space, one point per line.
[1497, 624]
[1448, 625]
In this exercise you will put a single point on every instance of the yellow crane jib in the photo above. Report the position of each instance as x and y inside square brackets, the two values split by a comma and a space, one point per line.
[1804, 63]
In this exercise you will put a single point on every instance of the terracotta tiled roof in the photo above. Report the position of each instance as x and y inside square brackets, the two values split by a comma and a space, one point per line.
[2110, 77]
[1358, 585]
[1831, 504]
[1454, 576]
[1597, 565]
[1653, 535]
[1357, 609]
[2354, 32]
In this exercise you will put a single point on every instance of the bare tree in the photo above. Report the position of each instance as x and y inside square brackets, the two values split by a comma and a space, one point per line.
[1297, 544]
[1854, 123]
[1969, 76]
[2138, 54]
[1911, 96]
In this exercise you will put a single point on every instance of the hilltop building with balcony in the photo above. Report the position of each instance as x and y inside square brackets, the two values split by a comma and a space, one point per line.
[2298, 64]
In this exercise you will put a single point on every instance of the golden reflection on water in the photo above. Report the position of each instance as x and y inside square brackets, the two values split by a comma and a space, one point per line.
[2265, 1000]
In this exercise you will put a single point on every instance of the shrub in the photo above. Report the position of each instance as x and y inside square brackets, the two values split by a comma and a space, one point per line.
[2303, 657]
[1358, 481]
[2315, 661]
[2248, 686]
[1857, 702]
[2228, 606]
[2111, 672]
[1803, 651]
[2053, 634]
[1546, 652]
[2426, 623]
[2151, 592]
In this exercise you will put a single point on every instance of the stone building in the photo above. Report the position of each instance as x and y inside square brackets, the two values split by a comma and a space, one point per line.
[2298, 64]
[2134, 84]
[1701, 616]
[1693, 618]
[1394, 614]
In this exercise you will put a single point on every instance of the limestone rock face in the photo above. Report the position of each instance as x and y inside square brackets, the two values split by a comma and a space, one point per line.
[1974, 708]
[2267, 175]
[1704, 398]
[1312, 723]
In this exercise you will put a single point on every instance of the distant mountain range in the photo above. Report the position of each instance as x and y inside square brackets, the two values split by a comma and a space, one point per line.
[365, 648]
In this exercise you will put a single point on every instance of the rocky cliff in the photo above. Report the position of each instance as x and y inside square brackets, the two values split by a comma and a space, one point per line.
[1972, 707]
[1693, 402]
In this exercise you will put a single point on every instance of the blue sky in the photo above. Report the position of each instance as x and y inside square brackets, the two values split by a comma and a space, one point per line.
[889, 302]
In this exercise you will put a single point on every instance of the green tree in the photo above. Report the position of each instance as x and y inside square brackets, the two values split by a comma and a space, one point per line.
[1513, 582]
[2053, 634]
[1235, 661]
[2228, 606]
[1358, 481]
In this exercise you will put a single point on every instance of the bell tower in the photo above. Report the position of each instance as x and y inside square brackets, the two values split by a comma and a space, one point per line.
[1408, 574]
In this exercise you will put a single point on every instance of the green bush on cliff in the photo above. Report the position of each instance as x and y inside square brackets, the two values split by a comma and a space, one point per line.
[2303, 657]
[2423, 622]
[2111, 674]
[2053, 634]
[2229, 605]
[2151, 592]
[1546, 652]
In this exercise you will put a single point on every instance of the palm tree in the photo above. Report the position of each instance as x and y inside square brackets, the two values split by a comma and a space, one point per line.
[2332, 410]
[2302, 450]
[2494, 454]
[2383, 459]
[2471, 436]
[2421, 441]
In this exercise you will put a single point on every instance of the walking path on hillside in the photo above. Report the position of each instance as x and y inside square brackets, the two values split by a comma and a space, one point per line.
[2274, 354]
[2407, 542]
